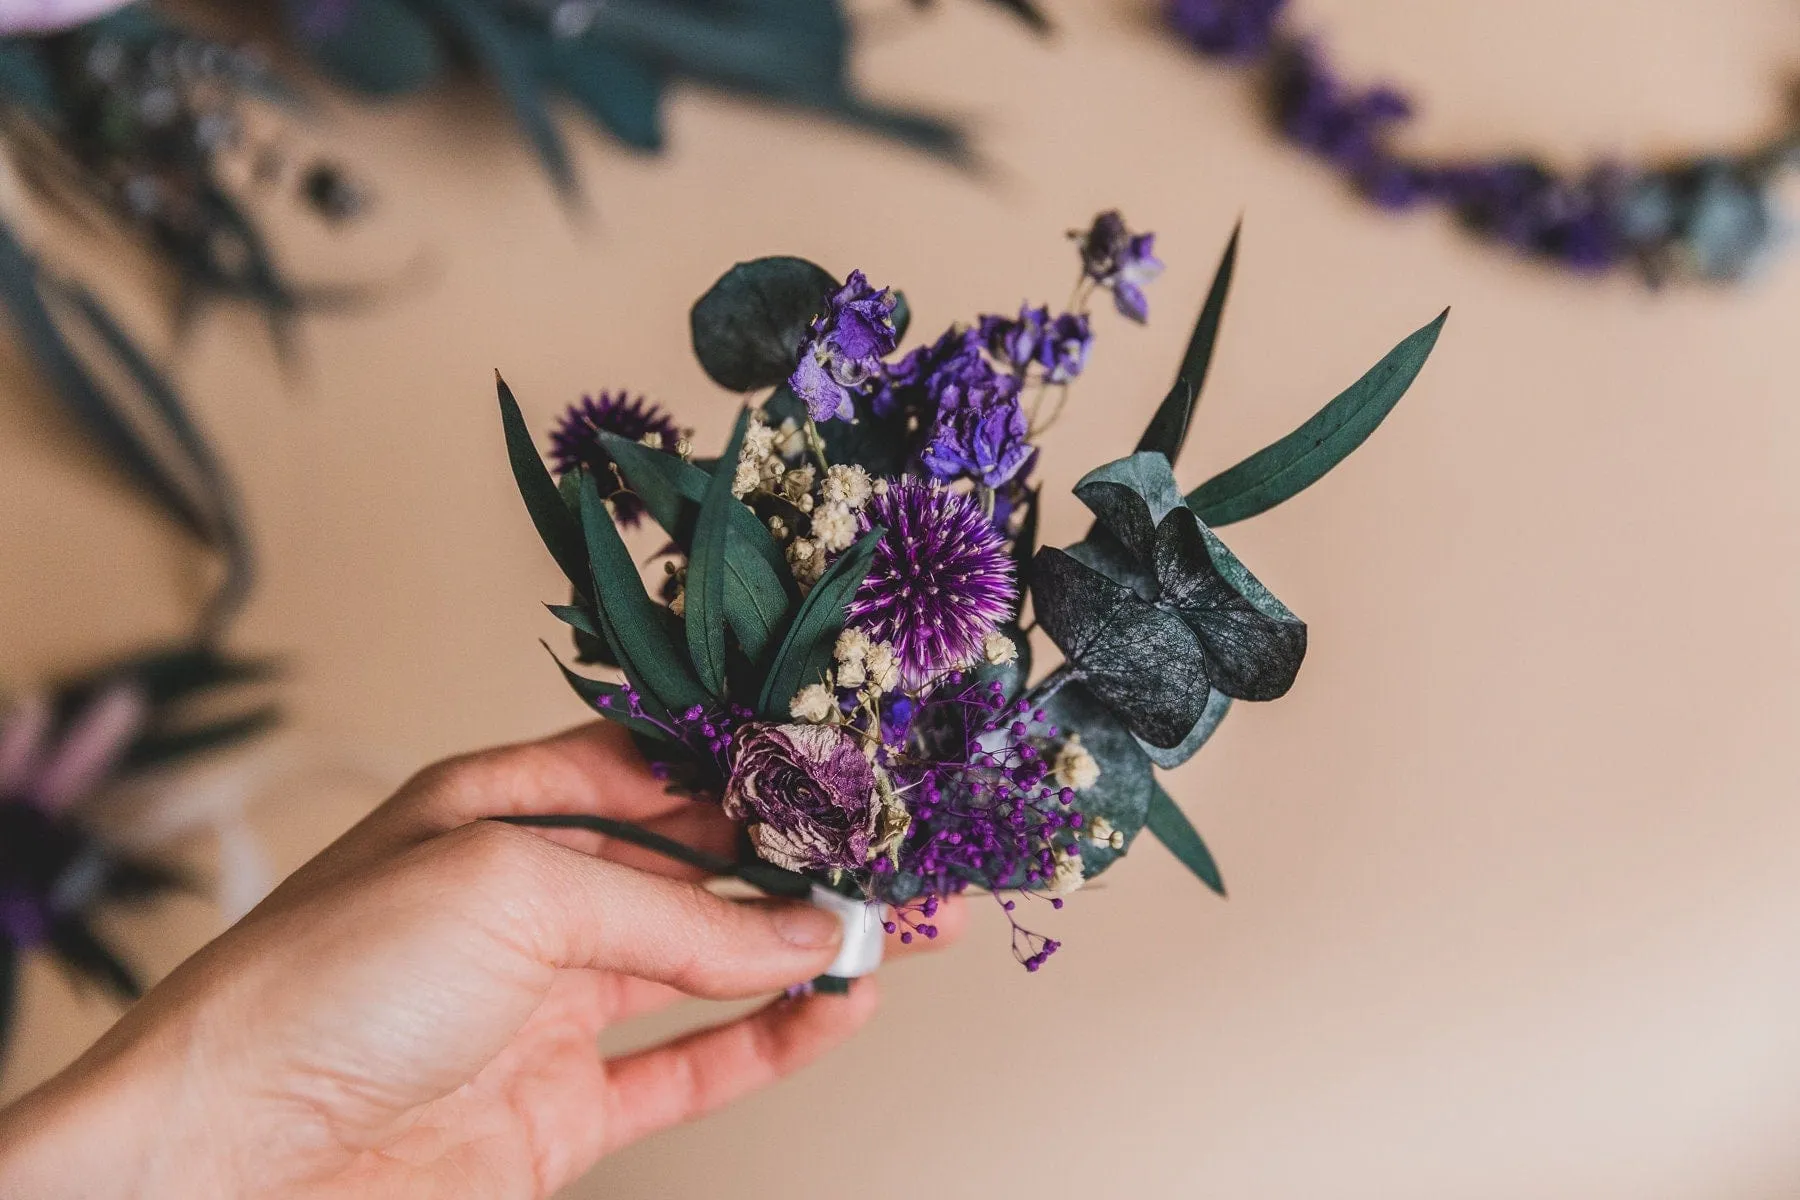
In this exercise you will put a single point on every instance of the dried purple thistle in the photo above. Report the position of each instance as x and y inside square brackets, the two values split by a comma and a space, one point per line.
[575, 443]
[940, 582]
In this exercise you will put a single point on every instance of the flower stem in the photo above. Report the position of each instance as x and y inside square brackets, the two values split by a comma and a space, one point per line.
[1049, 685]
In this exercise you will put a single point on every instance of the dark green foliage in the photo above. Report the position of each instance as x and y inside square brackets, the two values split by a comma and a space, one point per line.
[633, 625]
[759, 589]
[1168, 428]
[1253, 645]
[1175, 617]
[806, 651]
[749, 326]
[766, 877]
[1218, 705]
[1140, 660]
[110, 391]
[1172, 829]
[557, 527]
[704, 609]
[609, 699]
[382, 47]
[1284, 469]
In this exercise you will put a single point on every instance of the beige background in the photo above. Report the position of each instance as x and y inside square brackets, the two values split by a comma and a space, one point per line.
[1513, 910]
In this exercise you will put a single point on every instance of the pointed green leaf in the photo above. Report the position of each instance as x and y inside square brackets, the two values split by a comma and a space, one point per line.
[1280, 471]
[607, 699]
[1172, 829]
[1169, 427]
[632, 623]
[759, 588]
[557, 527]
[806, 650]
[704, 609]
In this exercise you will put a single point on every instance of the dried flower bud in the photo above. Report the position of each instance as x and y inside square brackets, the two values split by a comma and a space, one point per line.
[678, 605]
[1067, 878]
[882, 665]
[778, 529]
[1074, 767]
[746, 480]
[852, 644]
[998, 649]
[759, 440]
[813, 704]
[684, 445]
[852, 674]
[807, 560]
[797, 483]
[849, 486]
[834, 527]
[1102, 832]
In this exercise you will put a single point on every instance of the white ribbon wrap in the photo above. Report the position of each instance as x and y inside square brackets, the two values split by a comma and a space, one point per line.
[864, 936]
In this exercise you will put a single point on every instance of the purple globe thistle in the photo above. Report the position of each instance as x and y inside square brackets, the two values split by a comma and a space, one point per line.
[1121, 261]
[843, 355]
[575, 443]
[940, 582]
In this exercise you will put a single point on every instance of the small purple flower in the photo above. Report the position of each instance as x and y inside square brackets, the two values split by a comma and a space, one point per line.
[906, 385]
[1015, 342]
[808, 792]
[940, 582]
[1063, 352]
[843, 354]
[575, 443]
[1120, 260]
[1235, 29]
[980, 430]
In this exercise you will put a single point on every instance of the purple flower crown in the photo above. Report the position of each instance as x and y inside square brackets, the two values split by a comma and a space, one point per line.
[841, 653]
[1711, 217]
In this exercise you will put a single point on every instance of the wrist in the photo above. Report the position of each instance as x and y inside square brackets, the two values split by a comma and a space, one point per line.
[111, 1125]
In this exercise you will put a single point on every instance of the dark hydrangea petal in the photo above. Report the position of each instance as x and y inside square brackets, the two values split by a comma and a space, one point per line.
[575, 442]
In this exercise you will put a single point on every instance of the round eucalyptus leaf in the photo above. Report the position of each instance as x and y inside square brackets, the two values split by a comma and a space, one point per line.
[749, 326]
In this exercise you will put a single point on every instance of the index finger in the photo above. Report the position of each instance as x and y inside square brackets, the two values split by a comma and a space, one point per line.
[593, 769]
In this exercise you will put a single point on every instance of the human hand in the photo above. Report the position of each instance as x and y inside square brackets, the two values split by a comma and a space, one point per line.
[415, 1011]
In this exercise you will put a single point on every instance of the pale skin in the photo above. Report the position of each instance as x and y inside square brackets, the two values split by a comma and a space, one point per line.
[415, 1012]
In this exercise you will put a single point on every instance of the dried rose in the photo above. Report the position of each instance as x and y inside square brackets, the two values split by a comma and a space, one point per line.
[809, 793]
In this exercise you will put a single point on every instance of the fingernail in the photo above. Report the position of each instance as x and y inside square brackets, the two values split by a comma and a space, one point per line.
[804, 925]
